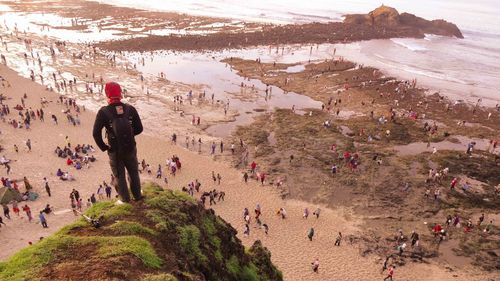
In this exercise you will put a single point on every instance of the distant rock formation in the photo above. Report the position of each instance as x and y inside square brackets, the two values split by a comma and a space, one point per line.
[382, 23]
[388, 17]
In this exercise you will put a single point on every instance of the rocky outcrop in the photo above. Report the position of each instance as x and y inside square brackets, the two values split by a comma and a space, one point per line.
[438, 27]
[387, 17]
[382, 23]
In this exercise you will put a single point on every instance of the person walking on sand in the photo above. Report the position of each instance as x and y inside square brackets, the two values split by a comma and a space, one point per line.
[47, 187]
[282, 212]
[266, 228]
[315, 265]
[390, 273]
[28, 145]
[214, 178]
[317, 212]
[100, 192]
[43, 220]
[219, 177]
[262, 178]
[68, 142]
[306, 213]
[246, 230]
[74, 207]
[6, 211]
[108, 191]
[213, 148]
[338, 239]
[79, 204]
[159, 172]
[310, 234]
[122, 123]
[384, 265]
[27, 210]
[74, 194]
[15, 207]
[245, 177]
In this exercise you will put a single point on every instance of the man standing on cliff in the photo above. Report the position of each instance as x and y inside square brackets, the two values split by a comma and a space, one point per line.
[122, 124]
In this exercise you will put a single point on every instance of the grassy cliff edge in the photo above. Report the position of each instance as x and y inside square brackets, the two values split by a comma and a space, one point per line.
[166, 237]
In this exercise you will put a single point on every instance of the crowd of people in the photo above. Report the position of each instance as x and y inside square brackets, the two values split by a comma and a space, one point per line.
[76, 157]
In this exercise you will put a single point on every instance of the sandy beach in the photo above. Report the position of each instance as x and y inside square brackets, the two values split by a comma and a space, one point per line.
[398, 130]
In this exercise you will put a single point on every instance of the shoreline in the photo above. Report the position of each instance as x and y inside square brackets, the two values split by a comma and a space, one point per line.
[169, 14]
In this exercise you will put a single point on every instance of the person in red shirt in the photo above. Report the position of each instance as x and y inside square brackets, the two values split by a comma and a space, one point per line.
[69, 162]
[15, 208]
[390, 273]
[28, 212]
[253, 166]
[437, 229]
[453, 183]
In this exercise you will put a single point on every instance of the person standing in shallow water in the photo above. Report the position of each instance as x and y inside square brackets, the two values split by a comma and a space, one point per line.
[122, 123]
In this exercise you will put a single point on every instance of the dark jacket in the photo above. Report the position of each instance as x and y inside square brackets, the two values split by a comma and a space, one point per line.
[103, 121]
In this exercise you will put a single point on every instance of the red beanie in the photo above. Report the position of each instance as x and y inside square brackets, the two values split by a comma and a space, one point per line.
[113, 92]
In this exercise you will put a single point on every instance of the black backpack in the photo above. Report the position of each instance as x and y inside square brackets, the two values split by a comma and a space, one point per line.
[121, 131]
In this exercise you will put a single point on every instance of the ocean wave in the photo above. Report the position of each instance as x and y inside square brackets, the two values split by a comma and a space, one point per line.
[391, 64]
[410, 46]
[435, 75]
[312, 18]
[484, 34]
[430, 37]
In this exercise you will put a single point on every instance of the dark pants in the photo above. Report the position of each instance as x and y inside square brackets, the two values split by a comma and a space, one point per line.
[44, 224]
[119, 162]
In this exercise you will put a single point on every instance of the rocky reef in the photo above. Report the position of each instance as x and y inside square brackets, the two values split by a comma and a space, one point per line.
[390, 18]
